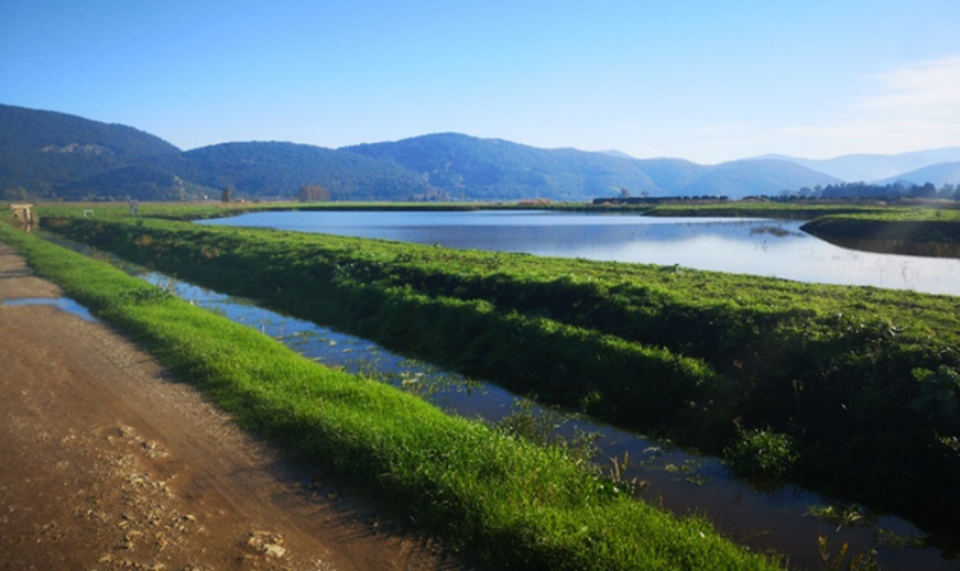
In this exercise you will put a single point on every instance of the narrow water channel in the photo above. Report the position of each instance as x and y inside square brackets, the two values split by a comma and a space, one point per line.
[683, 482]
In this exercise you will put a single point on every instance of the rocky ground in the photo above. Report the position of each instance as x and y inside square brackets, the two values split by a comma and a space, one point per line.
[108, 462]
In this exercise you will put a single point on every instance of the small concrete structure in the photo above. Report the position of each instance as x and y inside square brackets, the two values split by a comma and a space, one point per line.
[22, 213]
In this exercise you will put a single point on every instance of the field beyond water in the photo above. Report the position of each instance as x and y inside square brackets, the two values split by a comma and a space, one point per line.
[849, 391]
[504, 500]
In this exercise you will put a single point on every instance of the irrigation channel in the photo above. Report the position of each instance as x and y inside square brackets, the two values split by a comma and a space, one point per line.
[782, 519]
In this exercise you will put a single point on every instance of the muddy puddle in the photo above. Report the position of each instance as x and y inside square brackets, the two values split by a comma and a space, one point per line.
[64, 303]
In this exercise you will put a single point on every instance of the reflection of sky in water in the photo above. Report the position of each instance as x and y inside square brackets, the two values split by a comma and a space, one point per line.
[681, 481]
[63, 303]
[729, 245]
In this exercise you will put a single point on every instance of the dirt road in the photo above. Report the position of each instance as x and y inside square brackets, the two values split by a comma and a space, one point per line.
[107, 462]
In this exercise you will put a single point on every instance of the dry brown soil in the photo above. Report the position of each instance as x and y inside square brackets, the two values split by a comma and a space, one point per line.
[108, 462]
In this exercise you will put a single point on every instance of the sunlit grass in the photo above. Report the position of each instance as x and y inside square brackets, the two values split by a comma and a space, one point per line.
[504, 499]
[672, 351]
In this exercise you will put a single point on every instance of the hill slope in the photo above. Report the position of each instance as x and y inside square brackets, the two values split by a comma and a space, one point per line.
[55, 155]
[493, 168]
[874, 167]
[496, 169]
[938, 174]
[280, 169]
[762, 176]
[43, 151]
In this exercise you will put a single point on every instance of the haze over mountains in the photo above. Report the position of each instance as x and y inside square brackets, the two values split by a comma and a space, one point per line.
[905, 167]
[50, 155]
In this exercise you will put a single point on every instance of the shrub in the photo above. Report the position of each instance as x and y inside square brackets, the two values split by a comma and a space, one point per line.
[761, 453]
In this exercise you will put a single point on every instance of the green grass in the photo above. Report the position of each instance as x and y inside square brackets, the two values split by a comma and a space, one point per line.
[914, 225]
[505, 500]
[679, 353]
[211, 209]
[742, 209]
[918, 231]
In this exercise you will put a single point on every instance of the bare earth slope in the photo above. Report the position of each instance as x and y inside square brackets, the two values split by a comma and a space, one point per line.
[108, 463]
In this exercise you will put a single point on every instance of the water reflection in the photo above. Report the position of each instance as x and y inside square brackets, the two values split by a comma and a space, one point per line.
[680, 481]
[900, 247]
[63, 303]
[749, 246]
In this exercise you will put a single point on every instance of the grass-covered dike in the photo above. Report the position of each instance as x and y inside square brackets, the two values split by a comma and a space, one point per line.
[923, 232]
[507, 501]
[850, 391]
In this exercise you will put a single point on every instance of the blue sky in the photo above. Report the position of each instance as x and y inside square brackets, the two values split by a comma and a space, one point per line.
[706, 81]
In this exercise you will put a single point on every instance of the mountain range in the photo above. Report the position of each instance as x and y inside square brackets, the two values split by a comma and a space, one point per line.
[884, 169]
[50, 155]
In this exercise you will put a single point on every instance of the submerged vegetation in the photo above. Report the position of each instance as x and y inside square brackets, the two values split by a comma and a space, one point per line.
[840, 388]
[487, 490]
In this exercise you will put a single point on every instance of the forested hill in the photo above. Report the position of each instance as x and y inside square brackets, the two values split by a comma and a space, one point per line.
[41, 152]
[50, 155]
[492, 168]
[280, 169]
[52, 132]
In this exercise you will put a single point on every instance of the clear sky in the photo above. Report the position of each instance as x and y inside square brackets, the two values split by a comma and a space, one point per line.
[704, 80]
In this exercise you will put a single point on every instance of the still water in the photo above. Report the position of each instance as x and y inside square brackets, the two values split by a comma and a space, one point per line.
[772, 248]
[679, 480]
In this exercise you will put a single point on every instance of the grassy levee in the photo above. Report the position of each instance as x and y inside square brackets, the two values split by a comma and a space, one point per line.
[862, 380]
[209, 209]
[506, 500]
[926, 225]
[790, 211]
[930, 232]
[328, 279]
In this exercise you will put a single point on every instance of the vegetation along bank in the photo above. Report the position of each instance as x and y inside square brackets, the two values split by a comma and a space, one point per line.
[848, 390]
[507, 501]
[924, 232]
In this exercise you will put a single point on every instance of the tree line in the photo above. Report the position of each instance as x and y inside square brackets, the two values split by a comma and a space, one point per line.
[865, 190]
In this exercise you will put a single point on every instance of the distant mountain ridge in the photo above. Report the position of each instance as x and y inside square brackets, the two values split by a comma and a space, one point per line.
[493, 168]
[46, 154]
[458, 164]
[276, 169]
[875, 167]
[938, 174]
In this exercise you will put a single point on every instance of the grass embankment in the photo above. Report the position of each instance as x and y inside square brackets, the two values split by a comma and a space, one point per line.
[209, 209]
[512, 503]
[169, 210]
[780, 210]
[861, 382]
[930, 232]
